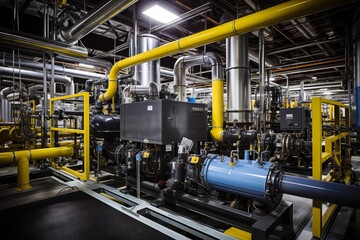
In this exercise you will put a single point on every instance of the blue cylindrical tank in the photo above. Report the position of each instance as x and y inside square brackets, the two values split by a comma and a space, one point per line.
[246, 178]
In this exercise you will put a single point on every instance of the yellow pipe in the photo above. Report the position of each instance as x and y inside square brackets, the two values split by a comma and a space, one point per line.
[217, 109]
[22, 159]
[8, 158]
[23, 179]
[274, 15]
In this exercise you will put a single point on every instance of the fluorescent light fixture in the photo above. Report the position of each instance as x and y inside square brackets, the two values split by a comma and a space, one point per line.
[86, 65]
[160, 14]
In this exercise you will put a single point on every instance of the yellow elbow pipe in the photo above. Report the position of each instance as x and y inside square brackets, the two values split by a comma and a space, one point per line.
[8, 158]
[279, 13]
[217, 112]
[22, 158]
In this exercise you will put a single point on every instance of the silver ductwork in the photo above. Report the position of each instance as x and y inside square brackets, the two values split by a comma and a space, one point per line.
[28, 41]
[5, 110]
[98, 15]
[238, 79]
[31, 75]
[185, 62]
[58, 69]
[150, 71]
[189, 77]
[97, 62]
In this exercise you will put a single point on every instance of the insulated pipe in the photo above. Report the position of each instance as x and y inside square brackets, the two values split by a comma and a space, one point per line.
[189, 76]
[185, 62]
[149, 71]
[26, 41]
[238, 79]
[97, 62]
[5, 110]
[58, 69]
[22, 159]
[98, 15]
[7, 71]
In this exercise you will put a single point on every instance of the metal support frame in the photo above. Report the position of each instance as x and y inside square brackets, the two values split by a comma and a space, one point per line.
[332, 149]
[249, 226]
[85, 174]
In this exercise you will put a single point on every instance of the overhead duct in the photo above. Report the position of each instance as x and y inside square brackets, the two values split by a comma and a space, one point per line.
[27, 41]
[98, 15]
[58, 69]
[189, 77]
[147, 72]
[185, 62]
[10, 72]
[97, 62]
[238, 79]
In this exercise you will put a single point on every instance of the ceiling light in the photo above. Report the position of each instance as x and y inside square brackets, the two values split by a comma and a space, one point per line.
[160, 14]
[86, 65]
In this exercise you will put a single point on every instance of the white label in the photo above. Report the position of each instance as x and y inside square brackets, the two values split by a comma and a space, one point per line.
[168, 148]
[149, 107]
[289, 116]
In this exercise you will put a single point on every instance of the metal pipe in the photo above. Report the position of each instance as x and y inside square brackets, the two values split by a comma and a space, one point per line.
[262, 81]
[189, 77]
[341, 194]
[5, 110]
[7, 71]
[60, 70]
[93, 19]
[356, 47]
[279, 13]
[238, 80]
[149, 71]
[302, 45]
[22, 159]
[265, 182]
[97, 62]
[27, 41]
[185, 62]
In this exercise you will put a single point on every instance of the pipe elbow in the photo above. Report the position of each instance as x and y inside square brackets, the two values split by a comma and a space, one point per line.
[216, 134]
[112, 85]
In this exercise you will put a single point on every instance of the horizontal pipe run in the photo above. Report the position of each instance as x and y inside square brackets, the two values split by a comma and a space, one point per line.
[337, 193]
[8, 158]
[19, 39]
[22, 159]
[27, 74]
[58, 69]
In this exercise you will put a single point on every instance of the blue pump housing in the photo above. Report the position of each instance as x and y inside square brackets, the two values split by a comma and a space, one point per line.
[246, 178]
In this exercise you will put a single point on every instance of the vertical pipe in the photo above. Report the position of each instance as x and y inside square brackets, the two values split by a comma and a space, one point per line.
[238, 81]
[23, 179]
[45, 103]
[356, 44]
[262, 79]
[149, 71]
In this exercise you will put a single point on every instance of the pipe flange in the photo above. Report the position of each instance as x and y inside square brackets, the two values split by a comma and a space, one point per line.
[272, 195]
